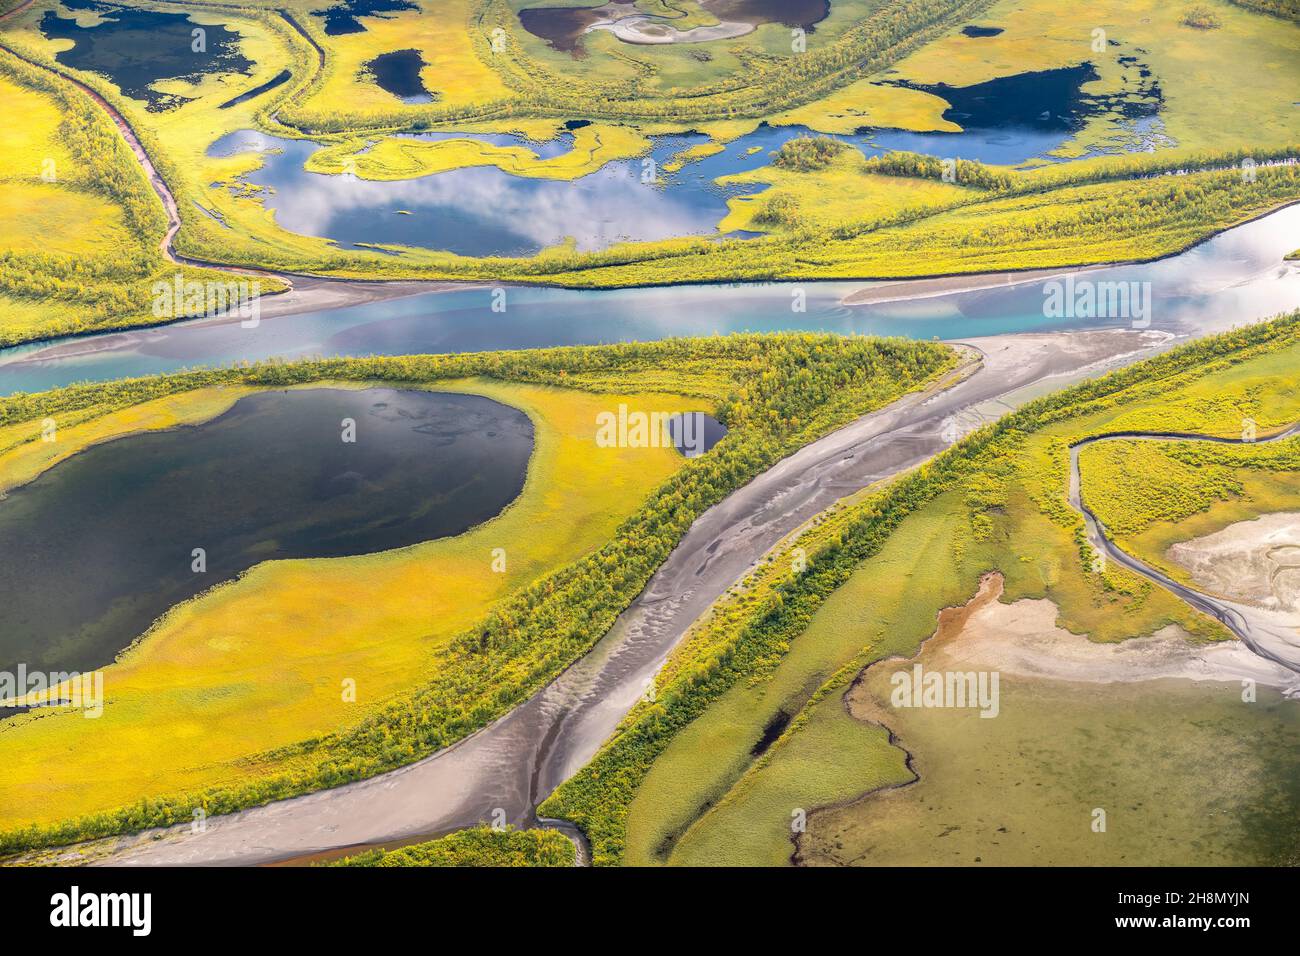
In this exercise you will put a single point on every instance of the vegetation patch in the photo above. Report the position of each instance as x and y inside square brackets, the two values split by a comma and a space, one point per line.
[1202, 18]
[94, 260]
[478, 846]
[805, 154]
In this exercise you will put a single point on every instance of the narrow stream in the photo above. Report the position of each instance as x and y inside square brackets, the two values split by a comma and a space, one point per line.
[1264, 632]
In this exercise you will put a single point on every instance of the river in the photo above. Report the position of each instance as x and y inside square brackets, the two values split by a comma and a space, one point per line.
[1235, 277]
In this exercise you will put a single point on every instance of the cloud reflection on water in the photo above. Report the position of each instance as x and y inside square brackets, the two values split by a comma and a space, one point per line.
[476, 211]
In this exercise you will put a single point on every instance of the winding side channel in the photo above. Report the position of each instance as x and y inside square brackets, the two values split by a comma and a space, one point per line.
[1266, 633]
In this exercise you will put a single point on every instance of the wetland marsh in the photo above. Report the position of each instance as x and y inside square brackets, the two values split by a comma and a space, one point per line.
[815, 238]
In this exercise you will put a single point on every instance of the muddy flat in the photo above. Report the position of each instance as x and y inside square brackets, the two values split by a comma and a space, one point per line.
[1023, 638]
[1256, 562]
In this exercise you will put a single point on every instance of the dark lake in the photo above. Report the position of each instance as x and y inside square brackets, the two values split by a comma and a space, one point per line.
[135, 48]
[1051, 101]
[560, 27]
[344, 17]
[398, 73]
[792, 13]
[695, 433]
[98, 547]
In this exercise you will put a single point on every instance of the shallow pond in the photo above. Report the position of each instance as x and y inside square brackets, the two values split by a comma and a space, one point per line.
[483, 211]
[398, 73]
[562, 27]
[96, 548]
[136, 48]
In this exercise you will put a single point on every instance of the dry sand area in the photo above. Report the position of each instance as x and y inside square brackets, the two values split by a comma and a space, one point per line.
[904, 290]
[1023, 639]
[1256, 562]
